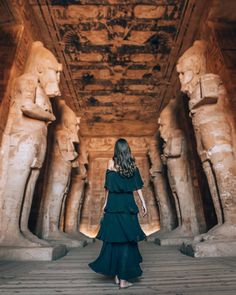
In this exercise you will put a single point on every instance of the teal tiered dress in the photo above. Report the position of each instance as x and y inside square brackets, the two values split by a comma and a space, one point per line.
[120, 230]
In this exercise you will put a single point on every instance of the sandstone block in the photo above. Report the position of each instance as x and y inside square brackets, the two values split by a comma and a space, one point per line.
[32, 253]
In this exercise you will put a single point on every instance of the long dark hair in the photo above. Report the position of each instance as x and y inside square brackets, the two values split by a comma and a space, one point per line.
[123, 159]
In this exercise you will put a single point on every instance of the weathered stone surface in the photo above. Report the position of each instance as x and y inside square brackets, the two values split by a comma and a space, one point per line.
[175, 156]
[149, 11]
[210, 248]
[214, 132]
[63, 157]
[24, 144]
[162, 193]
[172, 241]
[46, 253]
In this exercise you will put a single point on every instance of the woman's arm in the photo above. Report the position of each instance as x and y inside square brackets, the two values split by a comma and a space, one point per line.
[110, 166]
[144, 208]
[106, 194]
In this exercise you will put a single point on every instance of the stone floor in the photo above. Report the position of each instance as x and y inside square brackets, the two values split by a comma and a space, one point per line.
[165, 271]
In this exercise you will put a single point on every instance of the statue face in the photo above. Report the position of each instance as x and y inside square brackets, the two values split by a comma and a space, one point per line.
[164, 128]
[49, 80]
[186, 75]
[73, 125]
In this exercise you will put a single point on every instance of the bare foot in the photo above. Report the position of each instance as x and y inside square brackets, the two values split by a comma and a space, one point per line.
[117, 281]
[125, 284]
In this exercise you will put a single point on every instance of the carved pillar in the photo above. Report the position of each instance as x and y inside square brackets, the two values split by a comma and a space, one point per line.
[179, 174]
[24, 144]
[63, 157]
[214, 132]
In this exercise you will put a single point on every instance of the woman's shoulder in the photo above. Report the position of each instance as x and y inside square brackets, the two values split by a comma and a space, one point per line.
[111, 165]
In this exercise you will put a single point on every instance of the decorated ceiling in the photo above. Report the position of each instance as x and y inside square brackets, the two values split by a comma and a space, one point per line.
[118, 57]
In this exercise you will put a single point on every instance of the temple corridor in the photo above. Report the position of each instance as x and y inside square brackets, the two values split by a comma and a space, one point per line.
[166, 271]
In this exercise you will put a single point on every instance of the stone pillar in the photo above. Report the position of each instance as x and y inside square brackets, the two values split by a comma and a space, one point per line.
[175, 156]
[215, 133]
[23, 151]
[63, 157]
[161, 190]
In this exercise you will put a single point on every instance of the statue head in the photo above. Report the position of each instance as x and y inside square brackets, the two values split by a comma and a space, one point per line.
[191, 65]
[43, 64]
[68, 121]
[168, 120]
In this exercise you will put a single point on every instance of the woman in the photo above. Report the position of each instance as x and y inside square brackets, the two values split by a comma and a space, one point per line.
[120, 230]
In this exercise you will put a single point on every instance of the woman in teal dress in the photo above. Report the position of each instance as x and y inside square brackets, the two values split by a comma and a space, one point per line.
[120, 230]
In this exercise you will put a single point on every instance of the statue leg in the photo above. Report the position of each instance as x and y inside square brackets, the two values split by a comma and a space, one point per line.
[27, 203]
[63, 206]
[225, 171]
[214, 191]
[183, 194]
[12, 188]
[55, 194]
[208, 169]
[166, 213]
[72, 206]
[54, 207]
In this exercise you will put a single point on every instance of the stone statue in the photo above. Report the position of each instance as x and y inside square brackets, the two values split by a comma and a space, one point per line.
[160, 187]
[24, 144]
[76, 195]
[215, 133]
[63, 156]
[179, 175]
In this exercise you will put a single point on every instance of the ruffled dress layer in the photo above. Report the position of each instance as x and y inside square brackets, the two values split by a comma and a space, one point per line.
[120, 230]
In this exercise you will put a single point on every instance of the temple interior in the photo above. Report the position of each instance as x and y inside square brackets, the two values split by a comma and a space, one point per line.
[75, 76]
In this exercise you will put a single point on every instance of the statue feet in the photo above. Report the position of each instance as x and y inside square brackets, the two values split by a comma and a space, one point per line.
[64, 238]
[81, 237]
[178, 232]
[57, 235]
[157, 234]
[33, 238]
[16, 239]
[218, 232]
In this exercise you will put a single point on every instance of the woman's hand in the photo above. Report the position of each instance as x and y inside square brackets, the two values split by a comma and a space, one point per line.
[144, 209]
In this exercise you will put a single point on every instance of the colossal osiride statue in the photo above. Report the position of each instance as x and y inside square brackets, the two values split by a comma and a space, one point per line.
[63, 156]
[179, 175]
[167, 216]
[75, 198]
[215, 136]
[24, 145]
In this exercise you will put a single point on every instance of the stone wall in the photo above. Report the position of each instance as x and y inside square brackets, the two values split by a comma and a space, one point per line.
[18, 29]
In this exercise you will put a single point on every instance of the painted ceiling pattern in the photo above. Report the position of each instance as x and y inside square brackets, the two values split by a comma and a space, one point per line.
[116, 53]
